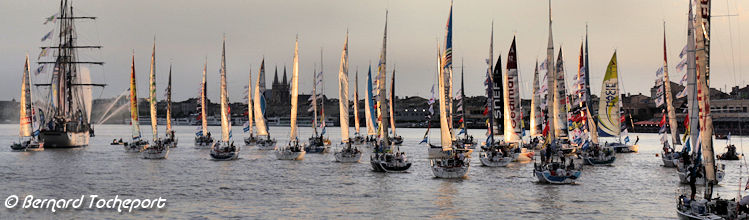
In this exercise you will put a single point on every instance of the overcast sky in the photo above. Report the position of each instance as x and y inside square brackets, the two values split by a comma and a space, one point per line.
[189, 31]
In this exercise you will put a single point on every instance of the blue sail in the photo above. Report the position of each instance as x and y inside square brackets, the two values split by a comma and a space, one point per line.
[370, 99]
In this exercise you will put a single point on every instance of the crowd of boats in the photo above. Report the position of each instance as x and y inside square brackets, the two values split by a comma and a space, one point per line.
[564, 134]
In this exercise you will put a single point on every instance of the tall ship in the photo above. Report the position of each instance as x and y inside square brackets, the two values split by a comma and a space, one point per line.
[69, 104]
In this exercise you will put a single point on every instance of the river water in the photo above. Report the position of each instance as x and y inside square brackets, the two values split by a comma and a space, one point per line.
[259, 186]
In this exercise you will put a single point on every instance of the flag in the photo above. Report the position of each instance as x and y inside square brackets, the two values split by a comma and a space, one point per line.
[246, 126]
[662, 123]
[622, 119]
[681, 65]
[39, 69]
[323, 130]
[51, 18]
[586, 145]
[686, 133]
[47, 36]
[42, 53]
[546, 129]
[626, 134]
[683, 52]
[424, 140]
[462, 131]
[664, 138]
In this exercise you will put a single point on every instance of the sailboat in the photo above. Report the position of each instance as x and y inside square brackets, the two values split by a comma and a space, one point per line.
[467, 140]
[701, 126]
[455, 162]
[586, 131]
[395, 139]
[369, 112]
[170, 140]
[317, 143]
[224, 149]
[386, 157]
[69, 106]
[251, 140]
[609, 110]
[157, 149]
[557, 143]
[536, 116]
[137, 144]
[348, 153]
[203, 136]
[294, 150]
[669, 156]
[26, 122]
[501, 153]
[258, 106]
[358, 138]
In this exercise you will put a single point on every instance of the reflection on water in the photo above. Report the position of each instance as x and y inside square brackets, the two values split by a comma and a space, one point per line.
[259, 186]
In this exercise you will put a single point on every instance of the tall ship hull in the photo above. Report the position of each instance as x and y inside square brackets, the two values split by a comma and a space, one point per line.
[62, 139]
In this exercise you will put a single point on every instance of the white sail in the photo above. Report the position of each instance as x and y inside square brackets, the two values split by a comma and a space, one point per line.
[225, 115]
[203, 100]
[535, 119]
[294, 92]
[134, 103]
[392, 107]
[445, 134]
[550, 72]
[249, 103]
[259, 118]
[152, 94]
[368, 106]
[169, 103]
[692, 105]
[560, 100]
[25, 124]
[608, 107]
[343, 92]
[382, 105]
[592, 128]
[84, 78]
[669, 98]
[356, 100]
[513, 120]
[702, 56]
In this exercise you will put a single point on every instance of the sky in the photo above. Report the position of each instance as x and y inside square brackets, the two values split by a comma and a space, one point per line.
[189, 32]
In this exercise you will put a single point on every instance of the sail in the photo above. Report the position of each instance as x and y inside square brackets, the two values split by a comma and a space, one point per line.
[445, 134]
[392, 102]
[489, 82]
[356, 99]
[313, 100]
[152, 95]
[369, 106]
[25, 125]
[134, 103]
[702, 56]
[560, 100]
[535, 120]
[169, 103]
[294, 92]
[343, 92]
[498, 95]
[249, 104]
[550, 71]
[225, 114]
[447, 65]
[382, 105]
[692, 105]
[608, 106]
[257, 106]
[669, 98]
[513, 120]
[203, 104]
[592, 128]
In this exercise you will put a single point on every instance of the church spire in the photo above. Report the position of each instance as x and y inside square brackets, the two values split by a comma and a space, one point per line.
[275, 77]
[285, 83]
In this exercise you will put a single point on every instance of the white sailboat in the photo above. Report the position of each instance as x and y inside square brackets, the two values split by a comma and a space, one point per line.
[358, 138]
[669, 156]
[318, 143]
[171, 139]
[264, 142]
[157, 149]
[536, 116]
[395, 139]
[137, 144]
[348, 153]
[224, 149]
[294, 150]
[203, 137]
[467, 140]
[386, 157]
[26, 122]
[609, 110]
[251, 140]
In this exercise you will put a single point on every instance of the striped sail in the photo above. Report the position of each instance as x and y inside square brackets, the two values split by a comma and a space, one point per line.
[294, 92]
[25, 125]
[445, 134]
[257, 106]
[356, 100]
[249, 104]
[203, 104]
[513, 120]
[447, 65]
[369, 106]
[225, 114]
[560, 100]
[669, 98]
[608, 106]
[343, 92]
[382, 86]
[152, 95]
[702, 56]
[134, 103]
[536, 118]
[169, 103]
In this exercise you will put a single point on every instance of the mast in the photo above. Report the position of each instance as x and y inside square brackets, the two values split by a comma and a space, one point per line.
[25, 122]
[463, 98]
[587, 72]
[258, 105]
[203, 104]
[152, 94]
[669, 97]
[535, 110]
[249, 104]
[322, 94]
[513, 119]
[356, 97]
[294, 92]
[225, 114]
[169, 103]
[134, 103]
[550, 77]
[489, 82]
[343, 92]
[314, 100]
[381, 88]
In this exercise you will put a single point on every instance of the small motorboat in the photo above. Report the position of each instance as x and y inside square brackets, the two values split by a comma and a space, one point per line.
[596, 155]
[624, 148]
[159, 149]
[499, 154]
[117, 142]
[221, 150]
[348, 154]
[456, 166]
[293, 151]
[556, 173]
[27, 145]
[397, 140]
[730, 154]
[388, 161]
[136, 146]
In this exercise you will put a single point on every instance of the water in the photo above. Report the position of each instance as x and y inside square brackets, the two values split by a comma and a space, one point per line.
[259, 186]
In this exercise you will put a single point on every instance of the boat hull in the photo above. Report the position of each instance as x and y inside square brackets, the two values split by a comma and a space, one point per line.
[489, 162]
[624, 148]
[203, 142]
[316, 149]
[155, 152]
[379, 164]
[58, 139]
[216, 154]
[250, 141]
[267, 144]
[447, 172]
[588, 160]
[546, 177]
[136, 147]
[684, 177]
[290, 155]
[525, 155]
[348, 156]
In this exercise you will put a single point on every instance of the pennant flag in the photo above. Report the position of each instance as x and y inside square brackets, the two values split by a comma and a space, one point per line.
[51, 18]
[586, 145]
[682, 94]
[424, 140]
[683, 52]
[39, 69]
[246, 126]
[462, 131]
[681, 65]
[47, 36]
[622, 119]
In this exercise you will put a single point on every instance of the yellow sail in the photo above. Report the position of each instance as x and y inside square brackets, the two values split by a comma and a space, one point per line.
[134, 103]
[225, 115]
[203, 104]
[258, 109]
[343, 92]
[445, 134]
[152, 94]
[169, 103]
[294, 92]
[25, 122]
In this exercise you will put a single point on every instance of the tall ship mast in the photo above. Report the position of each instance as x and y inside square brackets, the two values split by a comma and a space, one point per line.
[69, 102]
